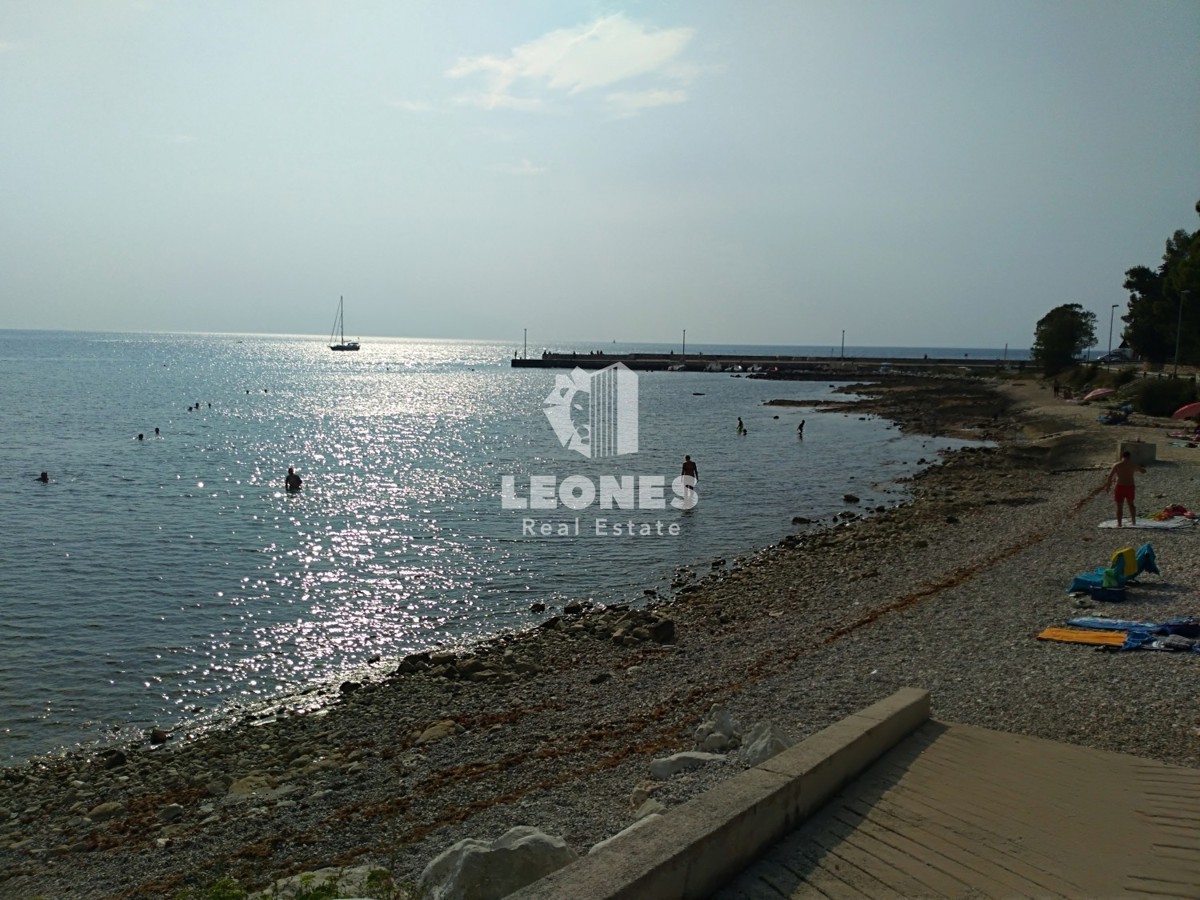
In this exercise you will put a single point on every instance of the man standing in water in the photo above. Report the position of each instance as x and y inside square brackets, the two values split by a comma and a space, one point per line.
[292, 481]
[1122, 473]
[690, 471]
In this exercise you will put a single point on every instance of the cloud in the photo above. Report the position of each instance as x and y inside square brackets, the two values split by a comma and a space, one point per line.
[524, 167]
[609, 51]
[629, 103]
[413, 106]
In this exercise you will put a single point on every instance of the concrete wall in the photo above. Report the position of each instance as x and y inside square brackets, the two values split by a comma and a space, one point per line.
[699, 846]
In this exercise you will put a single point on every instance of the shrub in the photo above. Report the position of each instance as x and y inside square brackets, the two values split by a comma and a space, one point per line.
[1124, 376]
[1162, 396]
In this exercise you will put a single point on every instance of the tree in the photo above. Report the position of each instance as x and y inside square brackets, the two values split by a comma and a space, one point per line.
[1164, 303]
[1061, 337]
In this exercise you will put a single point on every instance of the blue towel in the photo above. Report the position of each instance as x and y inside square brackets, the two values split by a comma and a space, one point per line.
[1146, 561]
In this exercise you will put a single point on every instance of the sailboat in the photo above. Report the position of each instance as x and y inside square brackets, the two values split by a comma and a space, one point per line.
[340, 331]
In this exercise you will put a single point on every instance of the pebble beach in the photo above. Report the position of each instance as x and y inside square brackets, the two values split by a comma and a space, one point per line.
[557, 727]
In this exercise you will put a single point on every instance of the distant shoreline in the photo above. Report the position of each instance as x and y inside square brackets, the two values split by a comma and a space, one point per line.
[780, 366]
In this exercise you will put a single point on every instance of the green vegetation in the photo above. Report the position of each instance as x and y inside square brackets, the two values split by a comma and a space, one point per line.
[1122, 377]
[1162, 396]
[1164, 303]
[1061, 337]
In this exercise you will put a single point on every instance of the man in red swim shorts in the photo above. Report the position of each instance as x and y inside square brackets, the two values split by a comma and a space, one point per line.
[1122, 473]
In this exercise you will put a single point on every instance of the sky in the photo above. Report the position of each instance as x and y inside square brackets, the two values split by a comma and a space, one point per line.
[917, 173]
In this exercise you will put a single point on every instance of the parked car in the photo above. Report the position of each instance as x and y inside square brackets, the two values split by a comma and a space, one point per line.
[1116, 356]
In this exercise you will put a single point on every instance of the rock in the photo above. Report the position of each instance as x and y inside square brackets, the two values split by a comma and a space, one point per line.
[537, 607]
[649, 808]
[254, 785]
[483, 870]
[114, 759]
[437, 731]
[106, 810]
[170, 813]
[718, 743]
[663, 768]
[573, 608]
[642, 793]
[640, 823]
[765, 740]
[349, 687]
[718, 732]
[158, 736]
[662, 631]
[469, 665]
[801, 520]
[849, 498]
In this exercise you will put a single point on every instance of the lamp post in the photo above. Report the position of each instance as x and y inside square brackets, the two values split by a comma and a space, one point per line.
[685, 342]
[1183, 295]
[1112, 312]
[843, 343]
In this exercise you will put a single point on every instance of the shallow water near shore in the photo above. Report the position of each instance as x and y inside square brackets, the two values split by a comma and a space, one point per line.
[171, 579]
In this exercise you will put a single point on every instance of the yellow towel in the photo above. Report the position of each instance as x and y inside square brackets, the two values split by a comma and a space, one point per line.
[1125, 562]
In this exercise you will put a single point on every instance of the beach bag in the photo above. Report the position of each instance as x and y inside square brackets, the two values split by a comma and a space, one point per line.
[1108, 595]
[1125, 562]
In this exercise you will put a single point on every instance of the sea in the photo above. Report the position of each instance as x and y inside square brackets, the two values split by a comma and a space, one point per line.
[163, 576]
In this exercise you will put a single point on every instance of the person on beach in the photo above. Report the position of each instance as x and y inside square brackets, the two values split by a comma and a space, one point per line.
[1123, 491]
[690, 471]
[292, 481]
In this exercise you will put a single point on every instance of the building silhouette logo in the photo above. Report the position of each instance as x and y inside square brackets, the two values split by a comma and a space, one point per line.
[595, 413]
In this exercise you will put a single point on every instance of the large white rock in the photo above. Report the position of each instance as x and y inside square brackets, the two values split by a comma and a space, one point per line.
[484, 870]
[665, 767]
[765, 740]
[718, 732]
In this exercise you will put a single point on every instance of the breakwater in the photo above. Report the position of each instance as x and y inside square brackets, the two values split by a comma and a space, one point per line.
[769, 366]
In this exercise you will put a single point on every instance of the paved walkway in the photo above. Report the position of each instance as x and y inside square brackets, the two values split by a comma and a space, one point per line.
[959, 811]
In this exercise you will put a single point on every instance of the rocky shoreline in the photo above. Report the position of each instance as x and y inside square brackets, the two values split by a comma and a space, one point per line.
[558, 727]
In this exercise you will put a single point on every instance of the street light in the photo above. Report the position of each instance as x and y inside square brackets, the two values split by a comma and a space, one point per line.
[1111, 313]
[1179, 329]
